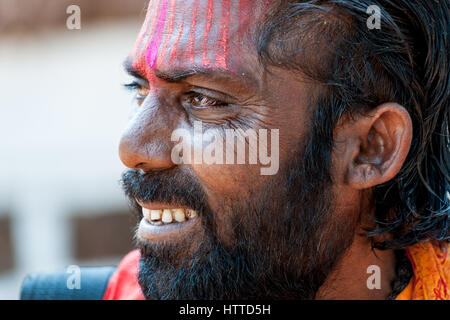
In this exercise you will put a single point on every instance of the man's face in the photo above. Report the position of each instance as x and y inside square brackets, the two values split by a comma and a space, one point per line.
[252, 235]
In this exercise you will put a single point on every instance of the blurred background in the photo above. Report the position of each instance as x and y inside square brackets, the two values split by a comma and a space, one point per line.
[62, 110]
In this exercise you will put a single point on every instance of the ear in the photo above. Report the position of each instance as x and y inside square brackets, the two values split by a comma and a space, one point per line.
[376, 145]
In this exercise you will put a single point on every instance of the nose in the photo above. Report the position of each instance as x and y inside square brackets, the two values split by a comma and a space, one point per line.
[145, 143]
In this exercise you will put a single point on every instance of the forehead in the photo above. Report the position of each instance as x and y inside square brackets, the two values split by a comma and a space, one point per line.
[197, 34]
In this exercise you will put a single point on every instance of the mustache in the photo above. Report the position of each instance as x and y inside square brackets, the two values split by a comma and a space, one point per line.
[174, 187]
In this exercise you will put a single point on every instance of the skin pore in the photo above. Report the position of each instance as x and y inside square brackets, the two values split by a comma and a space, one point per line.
[196, 61]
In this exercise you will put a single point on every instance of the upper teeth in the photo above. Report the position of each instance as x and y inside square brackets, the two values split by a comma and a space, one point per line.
[167, 216]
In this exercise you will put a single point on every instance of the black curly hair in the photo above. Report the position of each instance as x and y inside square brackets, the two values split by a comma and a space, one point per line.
[358, 68]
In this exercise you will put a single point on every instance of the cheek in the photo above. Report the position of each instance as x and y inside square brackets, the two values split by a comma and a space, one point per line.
[228, 187]
[236, 181]
[228, 180]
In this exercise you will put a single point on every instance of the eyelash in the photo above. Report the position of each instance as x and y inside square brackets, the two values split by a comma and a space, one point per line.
[195, 99]
[199, 100]
[131, 86]
[135, 87]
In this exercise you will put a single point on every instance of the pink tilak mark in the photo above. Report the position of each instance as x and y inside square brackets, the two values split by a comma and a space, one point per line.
[150, 25]
[152, 50]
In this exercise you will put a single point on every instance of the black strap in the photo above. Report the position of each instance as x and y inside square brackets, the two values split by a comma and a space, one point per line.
[60, 285]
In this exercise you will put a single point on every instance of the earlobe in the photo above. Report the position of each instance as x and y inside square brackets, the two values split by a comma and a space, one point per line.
[383, 139]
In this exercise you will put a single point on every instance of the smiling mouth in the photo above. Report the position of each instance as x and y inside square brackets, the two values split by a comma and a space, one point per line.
[164, 222]
[161, 217]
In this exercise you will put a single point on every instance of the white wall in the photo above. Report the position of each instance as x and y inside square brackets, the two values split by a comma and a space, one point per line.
[62, 109]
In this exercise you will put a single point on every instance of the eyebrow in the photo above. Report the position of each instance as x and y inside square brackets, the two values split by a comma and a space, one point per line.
[177, 75]
[128, 66]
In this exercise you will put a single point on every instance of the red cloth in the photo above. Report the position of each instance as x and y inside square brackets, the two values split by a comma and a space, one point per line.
[123, 284]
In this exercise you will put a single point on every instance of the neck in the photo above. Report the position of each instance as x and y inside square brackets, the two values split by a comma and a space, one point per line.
[351, 278]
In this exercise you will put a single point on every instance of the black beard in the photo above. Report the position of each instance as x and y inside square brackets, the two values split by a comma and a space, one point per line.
[285, 239]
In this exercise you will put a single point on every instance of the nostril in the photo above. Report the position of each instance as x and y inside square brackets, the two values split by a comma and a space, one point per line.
[154, 165]
[141, 166]
[138, 153]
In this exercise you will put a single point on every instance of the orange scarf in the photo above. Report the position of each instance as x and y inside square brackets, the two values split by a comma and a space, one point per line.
[431, 266]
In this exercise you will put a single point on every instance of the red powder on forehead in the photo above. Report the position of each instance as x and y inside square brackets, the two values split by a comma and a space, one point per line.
[209, 12]
[192, 32]
[175, 45]
[142, 34]
[139, 63]
[222, 44]
[169, 31]
[162, 42]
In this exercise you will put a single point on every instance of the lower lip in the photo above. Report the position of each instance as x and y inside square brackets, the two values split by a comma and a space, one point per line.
[150, 232]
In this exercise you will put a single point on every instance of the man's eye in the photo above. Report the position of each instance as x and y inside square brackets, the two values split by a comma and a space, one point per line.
[198, 100]
[141, 91]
